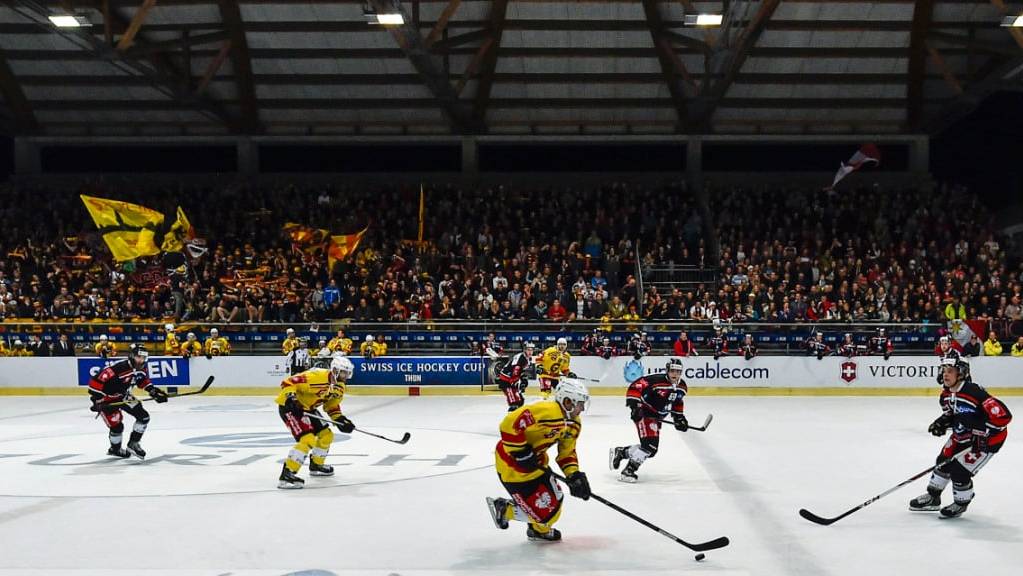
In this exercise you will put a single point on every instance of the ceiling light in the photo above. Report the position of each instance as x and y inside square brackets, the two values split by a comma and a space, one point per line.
[383, 19]
[1013, 21]
[69, 20]
[703, 20]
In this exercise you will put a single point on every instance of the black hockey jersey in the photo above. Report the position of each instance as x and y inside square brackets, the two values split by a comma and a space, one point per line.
[116, 379]
[974, 411]
[656, 394]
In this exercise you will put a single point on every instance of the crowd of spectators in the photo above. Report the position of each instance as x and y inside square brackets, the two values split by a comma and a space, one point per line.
[525, 253]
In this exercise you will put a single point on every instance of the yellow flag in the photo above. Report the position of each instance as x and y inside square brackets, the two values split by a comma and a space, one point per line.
[342, 246]
[128, 229]
[180, 232]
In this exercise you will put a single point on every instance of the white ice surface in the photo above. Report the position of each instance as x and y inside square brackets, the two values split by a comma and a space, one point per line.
[205, 501]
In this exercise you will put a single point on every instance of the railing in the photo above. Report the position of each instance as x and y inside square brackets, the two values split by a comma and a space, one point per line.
[457, 336]
[679, 276]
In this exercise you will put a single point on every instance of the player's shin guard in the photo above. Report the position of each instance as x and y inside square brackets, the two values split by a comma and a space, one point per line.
[317, 462]
[299, 452]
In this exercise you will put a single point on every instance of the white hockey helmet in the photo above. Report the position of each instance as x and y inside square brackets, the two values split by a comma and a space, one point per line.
[102, 337]
[290, 331]
[191, 336]
[168, 327]
[214, 332]
[342, 368]
[562, 344]
[572, 389]
[369, 337]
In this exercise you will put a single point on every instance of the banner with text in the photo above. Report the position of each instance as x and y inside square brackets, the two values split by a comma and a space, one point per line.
[163, 370]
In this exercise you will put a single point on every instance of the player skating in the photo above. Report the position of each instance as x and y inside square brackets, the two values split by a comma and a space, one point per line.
[513, 378]
[650, 399]
[522, 464]
[554, 363]
[300, 397]
[110, 391]
[978, 420]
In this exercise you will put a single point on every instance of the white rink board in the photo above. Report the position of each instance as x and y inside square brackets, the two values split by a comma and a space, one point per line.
[701, 371]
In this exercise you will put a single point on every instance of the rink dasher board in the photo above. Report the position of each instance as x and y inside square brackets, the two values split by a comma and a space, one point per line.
[462, 375]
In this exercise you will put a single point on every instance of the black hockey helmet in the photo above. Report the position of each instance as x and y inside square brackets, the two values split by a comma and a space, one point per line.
[960, 364]
[138, 355]
[674, 366]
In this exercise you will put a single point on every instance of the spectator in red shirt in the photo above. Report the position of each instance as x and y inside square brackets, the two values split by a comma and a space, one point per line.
[684, 346]
[557, 312]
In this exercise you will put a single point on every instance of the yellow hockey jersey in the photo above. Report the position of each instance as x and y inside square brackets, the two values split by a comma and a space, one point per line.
[171, 345]
[288, 345]
[218, 346]
[539, 425]
[107, 348]
[313, 389]
[191, 348]
[340, 345]
[554, 363]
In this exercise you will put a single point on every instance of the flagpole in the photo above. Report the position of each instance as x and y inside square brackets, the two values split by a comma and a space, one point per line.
[422, 214]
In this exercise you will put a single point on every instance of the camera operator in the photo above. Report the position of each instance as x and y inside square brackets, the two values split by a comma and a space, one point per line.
[815, 346]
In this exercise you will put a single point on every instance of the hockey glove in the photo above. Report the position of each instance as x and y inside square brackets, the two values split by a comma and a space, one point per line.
[681, 423]
[99, 405]
[980, 443]
[157, 394]
[292, 405]
[579, 486]
[344, 424]
[526, 459]
[636, 411]
[940, 425]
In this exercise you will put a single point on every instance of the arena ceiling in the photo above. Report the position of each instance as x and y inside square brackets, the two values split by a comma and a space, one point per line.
[220, 67]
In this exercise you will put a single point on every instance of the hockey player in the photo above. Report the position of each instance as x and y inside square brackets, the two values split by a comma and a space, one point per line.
[290, 341]
[113, 385]
[554, 363]
[490, 347]
[749, 347]
[340, 343]
[650, 399]
[105, 348]
[216, 345]
[590, 343]
[719, 343]
[881, 344]
[299, 360]
[816, 346]
[947, 346]
[513, 377]
[848, 347]
[191, 346]
[638, 345]
[300, 396]
[171, 344]
[522, 463]
[978, 420]
[607, 350]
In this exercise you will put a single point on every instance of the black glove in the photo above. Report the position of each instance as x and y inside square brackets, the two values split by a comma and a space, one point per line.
[637, 411]
[157, 394]
[579, 486]
[571, 374]
[292, 405]
[344, 424]
[681, 423]
[940, 425]
[523, 383]
[526, 459]
[979, 443]
[99, 405]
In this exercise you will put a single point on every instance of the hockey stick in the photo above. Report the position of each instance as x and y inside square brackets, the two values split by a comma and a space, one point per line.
[698, 547]
[706, 424]
[205, 387]
[829, 521]
[405, 437]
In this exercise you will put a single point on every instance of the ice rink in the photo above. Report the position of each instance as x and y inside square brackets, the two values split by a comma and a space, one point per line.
[205, 501]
